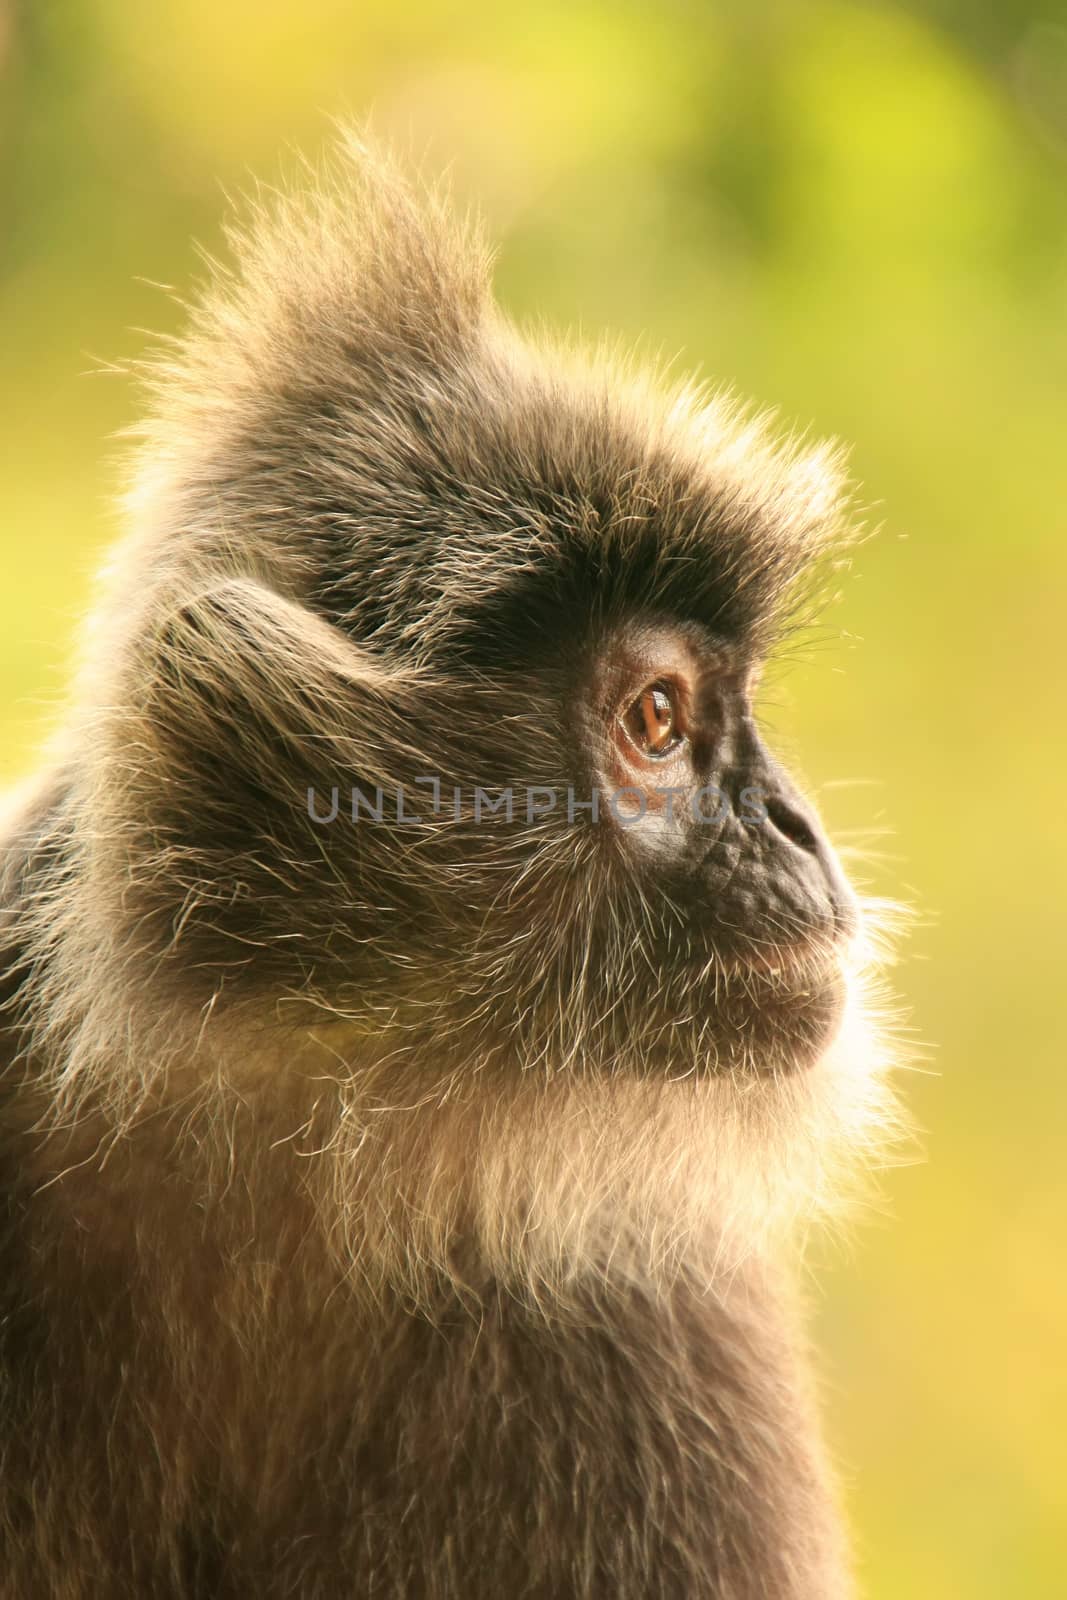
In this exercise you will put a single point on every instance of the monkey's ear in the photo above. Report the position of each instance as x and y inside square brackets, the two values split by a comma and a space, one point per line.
[232, 706]
[240, 701]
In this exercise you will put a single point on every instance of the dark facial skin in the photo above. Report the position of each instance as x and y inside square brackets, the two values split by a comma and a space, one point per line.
[704, 794]
[711, 821]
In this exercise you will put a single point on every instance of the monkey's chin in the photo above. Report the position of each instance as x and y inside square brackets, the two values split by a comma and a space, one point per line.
[771, 1031]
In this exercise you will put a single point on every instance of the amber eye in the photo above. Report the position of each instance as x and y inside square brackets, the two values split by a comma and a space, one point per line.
[653, 721]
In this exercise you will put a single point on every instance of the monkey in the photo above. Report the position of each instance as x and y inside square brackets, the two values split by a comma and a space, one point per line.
[432, 1016]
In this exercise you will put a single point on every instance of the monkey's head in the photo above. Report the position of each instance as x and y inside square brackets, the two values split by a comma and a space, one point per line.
[424, 705]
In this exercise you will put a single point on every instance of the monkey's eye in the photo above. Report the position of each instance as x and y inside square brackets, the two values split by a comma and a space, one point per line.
[653, 721]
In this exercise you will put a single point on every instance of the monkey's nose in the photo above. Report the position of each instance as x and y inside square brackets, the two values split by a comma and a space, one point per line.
[802, 833]
[791, 825]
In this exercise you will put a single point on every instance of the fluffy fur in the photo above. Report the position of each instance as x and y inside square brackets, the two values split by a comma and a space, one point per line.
[372, 1228]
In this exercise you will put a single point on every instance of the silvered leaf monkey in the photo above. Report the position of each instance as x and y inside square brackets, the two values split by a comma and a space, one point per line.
[428, 1005]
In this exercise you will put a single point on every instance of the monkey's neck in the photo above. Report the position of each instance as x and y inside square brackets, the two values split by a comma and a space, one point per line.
[401, 1181]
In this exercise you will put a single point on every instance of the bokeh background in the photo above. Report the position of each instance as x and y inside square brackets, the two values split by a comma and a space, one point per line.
[858, 214]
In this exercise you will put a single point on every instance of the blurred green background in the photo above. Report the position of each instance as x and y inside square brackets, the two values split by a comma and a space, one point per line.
[854, 213]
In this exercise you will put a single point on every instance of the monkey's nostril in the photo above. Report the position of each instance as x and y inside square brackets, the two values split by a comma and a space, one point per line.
[791, 825]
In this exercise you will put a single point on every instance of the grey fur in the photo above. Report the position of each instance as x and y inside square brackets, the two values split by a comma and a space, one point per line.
[375, 1226]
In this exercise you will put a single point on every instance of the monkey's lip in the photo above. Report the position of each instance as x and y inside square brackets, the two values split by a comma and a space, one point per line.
[788, 965]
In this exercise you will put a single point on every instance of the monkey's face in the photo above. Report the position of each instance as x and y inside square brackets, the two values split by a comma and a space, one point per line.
[735, 898]
[638, 884]
[561, 845]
